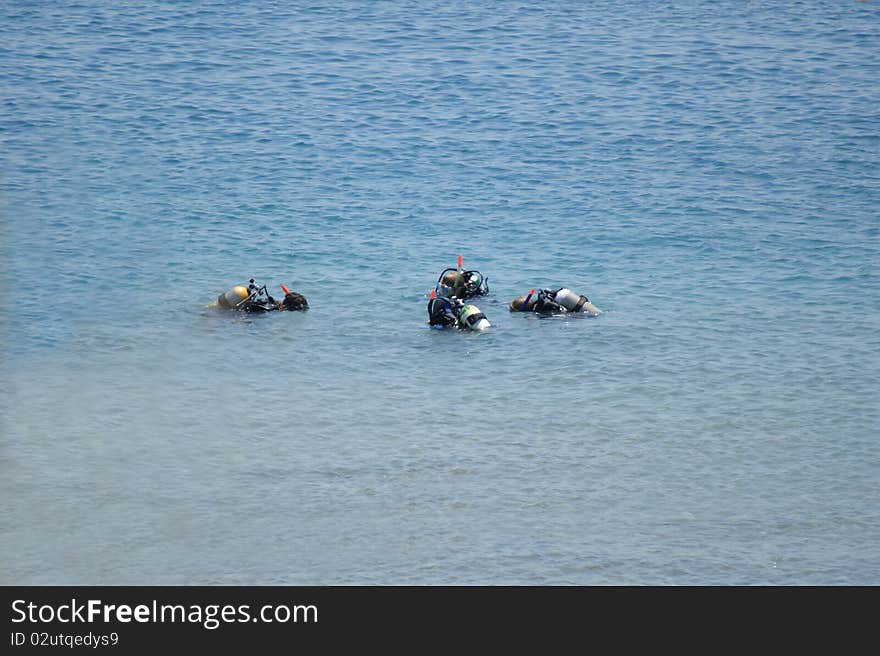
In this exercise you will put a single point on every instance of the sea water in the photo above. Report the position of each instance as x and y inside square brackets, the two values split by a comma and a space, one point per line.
[706, 173]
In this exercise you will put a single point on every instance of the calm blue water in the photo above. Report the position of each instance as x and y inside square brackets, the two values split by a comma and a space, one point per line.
[707, 173]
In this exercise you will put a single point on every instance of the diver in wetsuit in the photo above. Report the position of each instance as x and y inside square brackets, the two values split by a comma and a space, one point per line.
[548, 301]
[254, 298]
[452, 312]
[540, 303]
[442, 312]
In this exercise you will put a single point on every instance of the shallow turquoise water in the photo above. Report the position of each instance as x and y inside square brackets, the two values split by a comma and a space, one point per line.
[706, 173]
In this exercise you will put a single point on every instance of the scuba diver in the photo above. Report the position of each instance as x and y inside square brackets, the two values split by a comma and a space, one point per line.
[548, 302]
[446, 306]
[462, 284]
[452, 312]
[254, 298]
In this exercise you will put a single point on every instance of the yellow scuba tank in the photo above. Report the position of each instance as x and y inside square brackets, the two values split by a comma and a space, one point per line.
[232, 298]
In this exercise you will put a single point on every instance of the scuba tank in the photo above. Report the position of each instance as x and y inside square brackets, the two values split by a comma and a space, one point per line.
[470, 317]
[233, 298]
[248, 299]
[572, 302]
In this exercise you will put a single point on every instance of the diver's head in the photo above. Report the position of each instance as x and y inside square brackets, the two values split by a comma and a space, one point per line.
[293, 301]
[451, 279]
[451, 284]
[519, 304]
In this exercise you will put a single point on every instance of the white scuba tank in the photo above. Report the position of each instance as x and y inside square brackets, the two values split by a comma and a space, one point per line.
[471, 318]
[233, 297]
[575, 303]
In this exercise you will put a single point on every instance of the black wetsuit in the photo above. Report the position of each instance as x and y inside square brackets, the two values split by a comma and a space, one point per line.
[292, 301]
[441, 312]
[545, 304]
[259, 305]
[541, 303]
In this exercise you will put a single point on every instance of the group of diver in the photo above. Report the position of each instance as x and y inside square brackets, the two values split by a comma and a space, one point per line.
[448, 305]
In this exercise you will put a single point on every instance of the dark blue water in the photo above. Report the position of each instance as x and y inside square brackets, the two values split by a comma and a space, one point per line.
[707, 173]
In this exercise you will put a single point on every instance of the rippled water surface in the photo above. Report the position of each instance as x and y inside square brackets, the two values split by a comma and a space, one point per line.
[707, 173]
